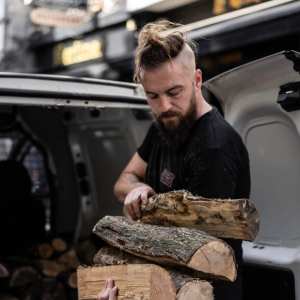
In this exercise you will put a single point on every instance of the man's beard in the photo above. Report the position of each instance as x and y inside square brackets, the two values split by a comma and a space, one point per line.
[173, 133]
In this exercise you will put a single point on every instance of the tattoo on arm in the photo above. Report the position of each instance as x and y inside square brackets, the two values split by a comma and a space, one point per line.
[132, 178]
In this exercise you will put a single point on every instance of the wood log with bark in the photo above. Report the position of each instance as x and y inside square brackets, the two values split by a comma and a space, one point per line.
[188, 247]
[134, 282]
[185, 286]
[223, 218]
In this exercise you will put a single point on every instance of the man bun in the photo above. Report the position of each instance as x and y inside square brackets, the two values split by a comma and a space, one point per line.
[159, 42]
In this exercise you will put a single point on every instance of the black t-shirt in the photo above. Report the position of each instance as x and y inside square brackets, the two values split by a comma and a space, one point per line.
[212, 163]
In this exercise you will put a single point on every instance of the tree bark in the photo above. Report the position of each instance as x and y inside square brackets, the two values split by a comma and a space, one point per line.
[134, 282]
[223, 218]
[188, 247]
[185, 286]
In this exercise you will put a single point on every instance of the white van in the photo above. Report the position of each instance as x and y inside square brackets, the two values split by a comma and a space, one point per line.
[74, 136]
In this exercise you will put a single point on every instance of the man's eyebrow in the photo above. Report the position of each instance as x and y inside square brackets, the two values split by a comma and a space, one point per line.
[174, 88]
[169, 90]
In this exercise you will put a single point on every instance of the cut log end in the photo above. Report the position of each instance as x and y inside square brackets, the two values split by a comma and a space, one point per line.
[216, 259]
[45, 250]
[196, 290]
[59, 245]
[133, 282]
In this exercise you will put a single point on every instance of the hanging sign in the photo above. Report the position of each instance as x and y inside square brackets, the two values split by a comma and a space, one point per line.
[58, 18]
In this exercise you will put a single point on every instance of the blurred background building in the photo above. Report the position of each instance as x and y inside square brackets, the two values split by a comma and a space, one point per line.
[97, 38]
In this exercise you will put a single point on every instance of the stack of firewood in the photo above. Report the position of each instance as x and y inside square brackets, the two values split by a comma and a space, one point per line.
[173, 251]
[45, 271]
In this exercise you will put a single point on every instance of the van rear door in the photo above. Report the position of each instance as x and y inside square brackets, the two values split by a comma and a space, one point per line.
[261, 101]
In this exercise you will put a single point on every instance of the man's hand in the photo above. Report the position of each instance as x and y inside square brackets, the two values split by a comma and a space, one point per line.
[135, 197]
[109, 292]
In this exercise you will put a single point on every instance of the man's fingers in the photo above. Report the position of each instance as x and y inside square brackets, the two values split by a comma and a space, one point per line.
[110, 283]
[136, 203]
[144, 197]
[113, 293]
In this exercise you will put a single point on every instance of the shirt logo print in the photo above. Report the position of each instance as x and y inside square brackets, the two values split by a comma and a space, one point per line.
[167, 178]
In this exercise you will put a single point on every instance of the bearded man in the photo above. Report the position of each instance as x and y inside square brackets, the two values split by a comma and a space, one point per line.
[189, 146]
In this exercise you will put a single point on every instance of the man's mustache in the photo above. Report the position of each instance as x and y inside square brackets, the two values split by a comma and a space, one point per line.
[169, 113]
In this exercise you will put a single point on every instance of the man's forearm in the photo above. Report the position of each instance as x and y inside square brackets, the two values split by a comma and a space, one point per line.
[125, 184]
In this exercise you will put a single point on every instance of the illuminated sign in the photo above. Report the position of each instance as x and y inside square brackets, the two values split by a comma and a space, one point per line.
[223, 6]
[58, 18]
[79, 51]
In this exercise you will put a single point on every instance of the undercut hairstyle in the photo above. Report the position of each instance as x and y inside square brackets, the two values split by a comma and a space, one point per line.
[159, 42]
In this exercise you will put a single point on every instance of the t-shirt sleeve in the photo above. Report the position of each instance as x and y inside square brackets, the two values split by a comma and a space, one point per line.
[144, 149]
[212, 174]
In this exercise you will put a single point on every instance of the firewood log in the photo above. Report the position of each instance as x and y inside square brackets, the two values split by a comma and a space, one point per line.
[59, 245]
[223, 218]
[134, 282]
[185, 286]
[3, 271]
[188, 247]
[23, 276]
[72, 280]
[52, 268]
[43, 250]
[70, 259]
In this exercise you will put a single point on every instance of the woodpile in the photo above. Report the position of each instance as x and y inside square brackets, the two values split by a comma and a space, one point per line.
[172, 251]
[45, 271]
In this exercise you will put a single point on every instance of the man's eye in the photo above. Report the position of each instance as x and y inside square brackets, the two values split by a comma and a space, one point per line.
[153, 97]
[174, 94]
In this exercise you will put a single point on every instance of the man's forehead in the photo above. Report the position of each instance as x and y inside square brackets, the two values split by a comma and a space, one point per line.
[162, 77]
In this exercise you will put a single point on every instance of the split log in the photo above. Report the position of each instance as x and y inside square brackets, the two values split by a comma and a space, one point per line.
[185, 286]
[59, 245]
[70, 259]
[223, 218]
[23, 275]
[188, 247]
[134, 282]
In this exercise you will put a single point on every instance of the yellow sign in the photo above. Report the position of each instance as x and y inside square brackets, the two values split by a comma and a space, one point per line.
[79, 52]
[223, 6]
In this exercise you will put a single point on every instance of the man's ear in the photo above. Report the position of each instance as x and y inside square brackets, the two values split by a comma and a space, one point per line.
[198, 79]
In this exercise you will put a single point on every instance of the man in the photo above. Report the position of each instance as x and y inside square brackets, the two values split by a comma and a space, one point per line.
[189, 146]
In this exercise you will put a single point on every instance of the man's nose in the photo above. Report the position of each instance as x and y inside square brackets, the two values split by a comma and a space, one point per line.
[165, 104]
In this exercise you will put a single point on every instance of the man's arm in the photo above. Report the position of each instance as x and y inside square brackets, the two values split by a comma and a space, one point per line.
[130, 189]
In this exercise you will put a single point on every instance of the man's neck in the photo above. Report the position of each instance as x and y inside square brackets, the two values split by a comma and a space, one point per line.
[204, 107]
